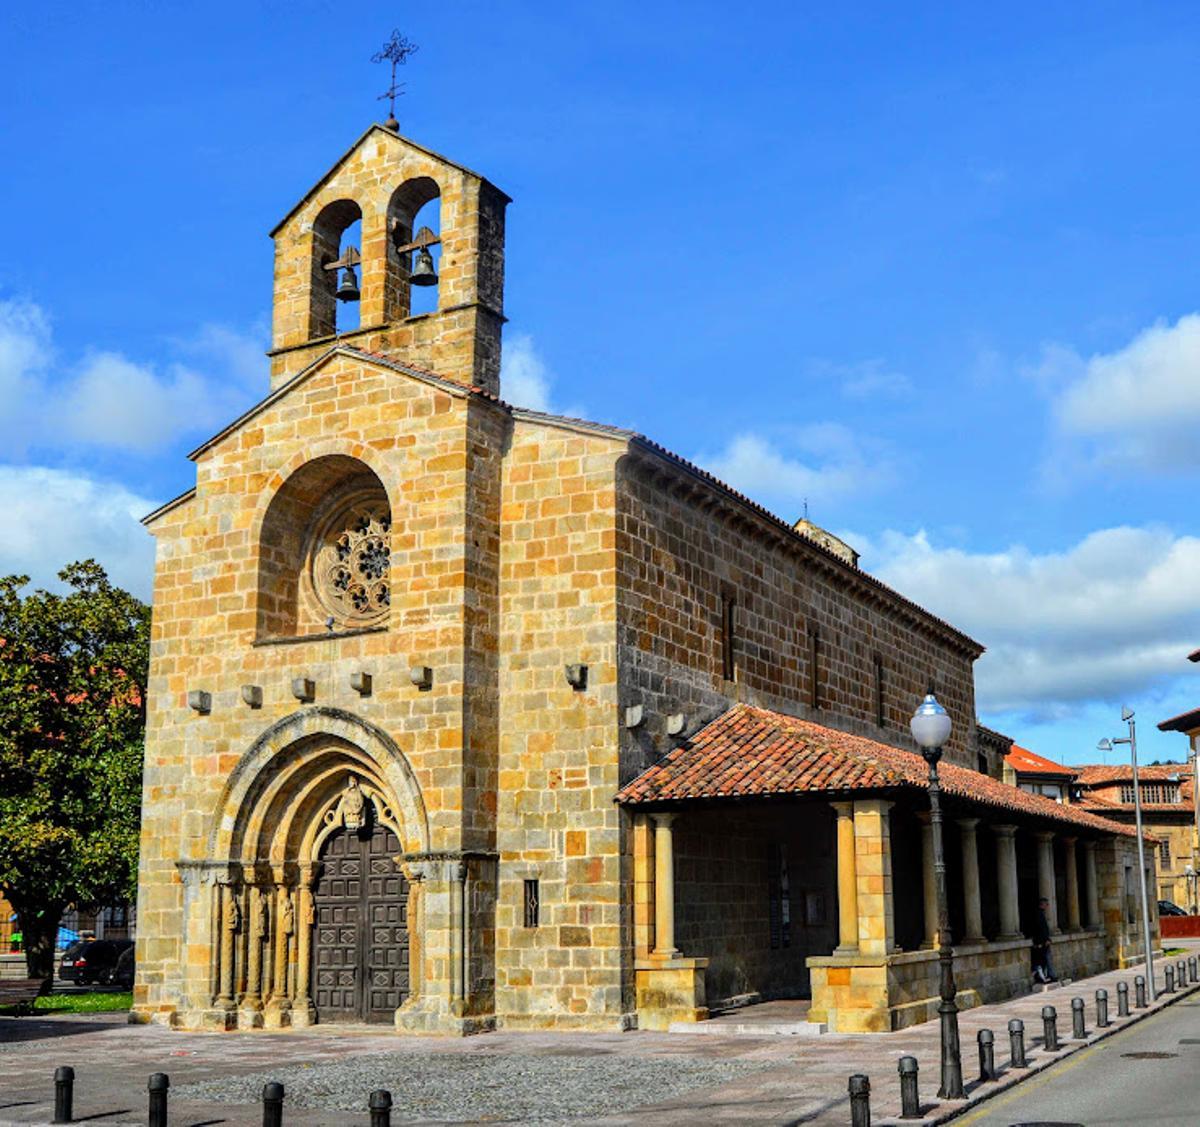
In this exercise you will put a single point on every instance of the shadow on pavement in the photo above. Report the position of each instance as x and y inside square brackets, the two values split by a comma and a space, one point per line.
[13, 1029]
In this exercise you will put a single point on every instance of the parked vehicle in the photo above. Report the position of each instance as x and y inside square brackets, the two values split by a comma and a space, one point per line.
[122, 972]
[1170, 908]
[92, 960]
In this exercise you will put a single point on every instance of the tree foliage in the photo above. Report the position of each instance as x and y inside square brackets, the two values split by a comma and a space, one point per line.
[72, 717]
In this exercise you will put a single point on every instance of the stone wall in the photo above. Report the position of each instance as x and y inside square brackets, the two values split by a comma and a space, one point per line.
[682, 551]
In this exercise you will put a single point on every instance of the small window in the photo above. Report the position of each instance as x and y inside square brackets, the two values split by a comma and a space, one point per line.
[1164, 854]
[880, 717]
[728, 637]
[779, 897]
[981, 762]
[814, 666]
[532, 903]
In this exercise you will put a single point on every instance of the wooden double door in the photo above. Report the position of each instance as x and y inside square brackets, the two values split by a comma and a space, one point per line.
[360, 928]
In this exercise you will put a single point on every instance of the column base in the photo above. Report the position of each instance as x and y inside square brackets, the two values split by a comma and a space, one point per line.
[303, 1015]
[668, 990]
[277, 1015]
[250, 1017]
[431, 1018]
[216, 1018]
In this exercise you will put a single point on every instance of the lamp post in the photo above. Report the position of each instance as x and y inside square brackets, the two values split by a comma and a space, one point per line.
[1190, 874]
[930, 727]
[1107, 745]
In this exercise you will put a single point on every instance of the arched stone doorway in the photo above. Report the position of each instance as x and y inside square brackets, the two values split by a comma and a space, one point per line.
[360, 930]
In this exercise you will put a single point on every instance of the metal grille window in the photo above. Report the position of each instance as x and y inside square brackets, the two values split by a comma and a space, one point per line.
[779, 903]
[1164, 853]
[532, 903]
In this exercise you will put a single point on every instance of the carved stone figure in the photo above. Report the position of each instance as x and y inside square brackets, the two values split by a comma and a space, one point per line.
[234, 919]
[354, 806]
[287, 914]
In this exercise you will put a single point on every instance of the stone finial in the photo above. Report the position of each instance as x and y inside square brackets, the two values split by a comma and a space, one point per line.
[304, 689]
[200, 701]
[252, 695]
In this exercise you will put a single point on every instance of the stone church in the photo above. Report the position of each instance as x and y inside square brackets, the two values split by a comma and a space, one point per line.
[463, 715]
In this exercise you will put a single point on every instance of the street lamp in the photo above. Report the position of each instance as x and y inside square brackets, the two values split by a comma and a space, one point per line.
[1190, 874]
[930, 730]
[1107, 745]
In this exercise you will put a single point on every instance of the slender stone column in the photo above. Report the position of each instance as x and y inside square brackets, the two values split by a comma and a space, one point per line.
[1093, 887]
[972, 907]
[230, 924]
[458, 873]
[302, 1007]
[873, 870]
[1045, 841]
[928, 881]
[847, 880]
[1006, 881]
[664, 886]
[252, 1001]
[1073, 921]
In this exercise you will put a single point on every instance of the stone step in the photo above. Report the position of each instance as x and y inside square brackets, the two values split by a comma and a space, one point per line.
[751, 1028]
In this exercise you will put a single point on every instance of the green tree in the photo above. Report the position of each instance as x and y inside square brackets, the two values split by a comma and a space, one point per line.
[72, 718]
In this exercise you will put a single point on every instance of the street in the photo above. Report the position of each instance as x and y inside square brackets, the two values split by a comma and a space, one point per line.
[1107, 1085]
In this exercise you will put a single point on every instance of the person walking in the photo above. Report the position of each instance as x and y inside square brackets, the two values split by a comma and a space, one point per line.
[1043, 971]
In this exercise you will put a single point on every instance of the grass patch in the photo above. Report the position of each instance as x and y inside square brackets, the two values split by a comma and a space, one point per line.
[1171, 951]
[95, 1003]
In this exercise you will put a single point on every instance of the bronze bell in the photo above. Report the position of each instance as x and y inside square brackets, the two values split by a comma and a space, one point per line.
[348, 290]
[423, 273]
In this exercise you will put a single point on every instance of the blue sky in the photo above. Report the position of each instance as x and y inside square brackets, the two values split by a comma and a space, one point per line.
[933, 270]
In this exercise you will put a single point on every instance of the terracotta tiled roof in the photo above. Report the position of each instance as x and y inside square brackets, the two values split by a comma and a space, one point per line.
[1027, 762]
[751, 752]
[1184, 722]
[1096, 774]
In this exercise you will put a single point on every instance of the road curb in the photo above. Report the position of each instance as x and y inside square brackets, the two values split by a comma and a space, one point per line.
[1011, 1077]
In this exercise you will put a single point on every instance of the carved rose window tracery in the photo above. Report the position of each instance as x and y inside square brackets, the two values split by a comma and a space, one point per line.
[350, 558]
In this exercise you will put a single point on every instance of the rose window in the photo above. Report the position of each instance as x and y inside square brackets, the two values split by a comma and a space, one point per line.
[351, 556]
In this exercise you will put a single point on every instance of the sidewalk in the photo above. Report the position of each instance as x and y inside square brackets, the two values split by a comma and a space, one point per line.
[606, 1078]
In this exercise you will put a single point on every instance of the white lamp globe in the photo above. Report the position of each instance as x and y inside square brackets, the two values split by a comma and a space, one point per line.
[930, 724]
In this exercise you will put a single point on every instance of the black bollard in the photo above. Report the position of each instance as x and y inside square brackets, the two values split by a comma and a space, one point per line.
[860, 1101]
[1122, 999]
[380, 1105]
[273, 1104]
[1181, 974]
[1016, 1043]
[1192, 969]
[910, 1100]
[159, 1083]
[64, 1093]
[1078, 1028]
[1139, 991]
[1169, 980]
[987, 1054]
[1101, 1008]
[1049, 1029]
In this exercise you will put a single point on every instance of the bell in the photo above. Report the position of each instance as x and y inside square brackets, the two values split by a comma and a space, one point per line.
[348, 290]
[423, 272]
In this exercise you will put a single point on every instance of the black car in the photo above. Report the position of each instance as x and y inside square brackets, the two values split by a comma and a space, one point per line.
[92, 960]
[122, 973]
[1170, 908]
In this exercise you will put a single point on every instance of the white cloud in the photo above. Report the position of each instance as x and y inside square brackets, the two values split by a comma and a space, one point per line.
[868, 379]
[815, 463]
[53, 517]
[108, 400]
[1108, 618]
[524, 377]
[1137, 407]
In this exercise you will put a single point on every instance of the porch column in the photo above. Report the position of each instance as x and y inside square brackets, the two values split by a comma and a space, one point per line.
[1045, 841]
[973, 909]
[847, 880]
[1006, 881]
[1093, 887]
[230, 924]
[1073, 921]
[928, 881]
[873, 873]
[303, 1012]
[664, 887]
[256, 925]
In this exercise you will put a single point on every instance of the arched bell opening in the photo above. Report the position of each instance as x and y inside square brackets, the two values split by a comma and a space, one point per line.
[336, 232]
[414, 223]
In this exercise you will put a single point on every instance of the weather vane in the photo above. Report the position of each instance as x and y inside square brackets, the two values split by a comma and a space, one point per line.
[396, 51]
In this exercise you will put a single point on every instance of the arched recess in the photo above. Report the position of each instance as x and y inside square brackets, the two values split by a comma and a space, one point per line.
[324, 548]
[406, 202]
[275, 802]
[328, 228]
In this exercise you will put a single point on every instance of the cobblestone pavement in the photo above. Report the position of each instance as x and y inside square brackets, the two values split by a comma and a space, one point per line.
[617, 1078]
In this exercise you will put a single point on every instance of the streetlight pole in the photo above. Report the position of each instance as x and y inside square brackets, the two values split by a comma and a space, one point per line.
[930, 729]
[1131, 740]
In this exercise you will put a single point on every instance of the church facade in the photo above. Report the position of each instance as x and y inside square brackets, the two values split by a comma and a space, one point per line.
[463, 715]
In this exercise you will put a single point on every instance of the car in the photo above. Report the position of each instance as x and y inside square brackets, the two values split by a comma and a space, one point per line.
[121, 973]
[1170, 908]
[92, 960]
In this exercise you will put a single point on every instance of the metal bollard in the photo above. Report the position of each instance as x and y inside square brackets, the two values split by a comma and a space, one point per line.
[1169, 980]
[1122, 999]
[1050, 1029]
[64, 1093]
[860, 1101]
[380, 1105]
[1078, 1028]
[1016, 1043]
[1101, 1008]
[1139, 991]
[910, 1100]
[273, 1104]
[1181, 974]
[987, 1054]
[1192, 969]
[159, 1083]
